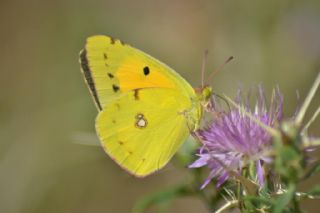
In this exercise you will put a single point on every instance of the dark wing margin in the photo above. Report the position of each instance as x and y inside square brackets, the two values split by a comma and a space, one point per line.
[88, 77]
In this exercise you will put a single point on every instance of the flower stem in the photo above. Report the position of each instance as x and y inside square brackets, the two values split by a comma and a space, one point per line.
[312, 143]
[307, 101]
[313, 118]
[228, 205]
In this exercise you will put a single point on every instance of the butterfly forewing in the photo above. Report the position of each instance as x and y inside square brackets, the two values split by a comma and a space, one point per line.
[112, 68]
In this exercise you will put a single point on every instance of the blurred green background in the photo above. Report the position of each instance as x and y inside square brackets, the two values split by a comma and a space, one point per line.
[44, 102]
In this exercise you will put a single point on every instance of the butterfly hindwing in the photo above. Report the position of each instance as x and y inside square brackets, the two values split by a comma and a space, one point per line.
[142, 135]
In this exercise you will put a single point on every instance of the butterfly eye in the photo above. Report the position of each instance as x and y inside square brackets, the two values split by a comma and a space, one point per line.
[146, 70]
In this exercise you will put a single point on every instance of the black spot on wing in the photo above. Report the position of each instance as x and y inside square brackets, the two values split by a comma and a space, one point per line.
[115, 88]
[112, 40]
[118, 106]
[110, 75]
[146, 70]
[136, 94]
[88, 76]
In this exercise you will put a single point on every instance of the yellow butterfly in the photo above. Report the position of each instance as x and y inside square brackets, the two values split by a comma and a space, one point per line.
[146, 110]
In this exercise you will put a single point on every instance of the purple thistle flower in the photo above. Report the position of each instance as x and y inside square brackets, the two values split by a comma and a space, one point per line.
[233, 140]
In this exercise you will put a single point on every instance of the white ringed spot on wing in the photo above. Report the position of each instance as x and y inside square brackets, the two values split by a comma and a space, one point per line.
[141, 122]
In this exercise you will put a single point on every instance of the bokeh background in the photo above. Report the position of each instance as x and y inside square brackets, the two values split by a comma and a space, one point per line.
[46, 111]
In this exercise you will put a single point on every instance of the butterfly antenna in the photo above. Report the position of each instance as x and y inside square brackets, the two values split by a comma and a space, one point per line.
[203, 67]
[221, 67]
[223, 99]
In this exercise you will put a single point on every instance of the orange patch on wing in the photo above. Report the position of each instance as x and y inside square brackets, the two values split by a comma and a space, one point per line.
[131, 76]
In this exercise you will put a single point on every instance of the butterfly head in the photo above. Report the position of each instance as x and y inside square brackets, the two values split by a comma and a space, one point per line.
[204, 93]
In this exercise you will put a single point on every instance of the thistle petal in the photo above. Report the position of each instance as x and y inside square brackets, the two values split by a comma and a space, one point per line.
[234, 140]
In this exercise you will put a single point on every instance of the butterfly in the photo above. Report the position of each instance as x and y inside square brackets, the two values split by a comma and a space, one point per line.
[146, 109]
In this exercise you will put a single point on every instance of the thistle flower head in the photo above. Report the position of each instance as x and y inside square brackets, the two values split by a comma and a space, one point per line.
[234, 140]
